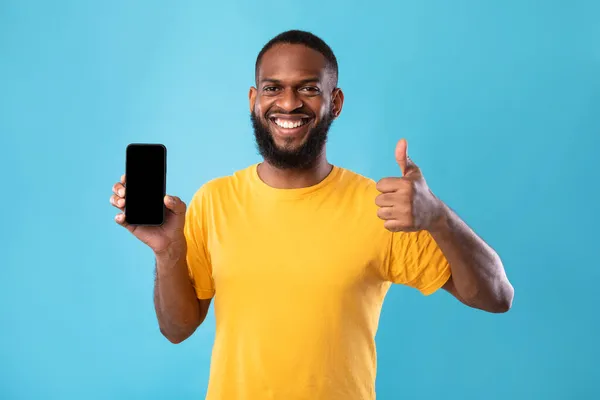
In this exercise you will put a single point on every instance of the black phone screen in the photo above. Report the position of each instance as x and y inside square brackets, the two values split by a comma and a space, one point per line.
[145, 184]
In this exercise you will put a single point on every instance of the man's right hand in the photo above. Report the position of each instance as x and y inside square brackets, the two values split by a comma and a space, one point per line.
[166, 240]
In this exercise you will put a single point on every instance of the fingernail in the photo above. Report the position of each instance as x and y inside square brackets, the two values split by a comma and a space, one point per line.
[121, 192]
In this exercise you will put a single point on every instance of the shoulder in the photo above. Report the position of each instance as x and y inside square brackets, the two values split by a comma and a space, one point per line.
[223, 185]
[356, 182]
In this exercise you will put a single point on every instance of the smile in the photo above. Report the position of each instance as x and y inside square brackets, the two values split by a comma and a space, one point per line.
[290, 123]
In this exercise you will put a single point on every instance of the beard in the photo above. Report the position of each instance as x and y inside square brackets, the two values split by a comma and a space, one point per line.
[301, 158]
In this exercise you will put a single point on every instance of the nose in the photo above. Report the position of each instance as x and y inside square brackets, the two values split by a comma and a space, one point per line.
[289, 100]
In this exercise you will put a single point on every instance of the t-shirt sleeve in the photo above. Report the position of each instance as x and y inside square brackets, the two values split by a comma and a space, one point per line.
[198, 257]
[415, 260]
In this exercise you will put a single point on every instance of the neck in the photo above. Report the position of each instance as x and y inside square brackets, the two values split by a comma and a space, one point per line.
[294, 178]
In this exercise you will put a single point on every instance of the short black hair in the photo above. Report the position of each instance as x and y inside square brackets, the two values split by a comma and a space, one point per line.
[307, 39]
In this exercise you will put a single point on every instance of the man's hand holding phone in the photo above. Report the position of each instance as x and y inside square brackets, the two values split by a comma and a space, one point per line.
[166, 240]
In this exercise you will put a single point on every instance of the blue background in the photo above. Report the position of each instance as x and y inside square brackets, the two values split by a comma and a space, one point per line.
[500, 103]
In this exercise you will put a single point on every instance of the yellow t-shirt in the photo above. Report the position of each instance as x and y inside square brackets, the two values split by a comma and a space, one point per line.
[298, 278]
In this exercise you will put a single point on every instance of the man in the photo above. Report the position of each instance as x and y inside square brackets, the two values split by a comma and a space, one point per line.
[299, 253]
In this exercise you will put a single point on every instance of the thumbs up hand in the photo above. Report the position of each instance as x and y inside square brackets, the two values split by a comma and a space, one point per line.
[406, 203]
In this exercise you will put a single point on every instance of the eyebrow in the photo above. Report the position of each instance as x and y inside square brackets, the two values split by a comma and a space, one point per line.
[303, 81]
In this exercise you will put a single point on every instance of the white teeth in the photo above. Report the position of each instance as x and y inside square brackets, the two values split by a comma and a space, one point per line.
[289, 124]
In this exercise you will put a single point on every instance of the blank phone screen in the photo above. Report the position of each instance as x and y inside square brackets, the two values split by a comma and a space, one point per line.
[145, 184]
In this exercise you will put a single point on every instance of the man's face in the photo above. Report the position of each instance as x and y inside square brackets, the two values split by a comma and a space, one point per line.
[293, 105]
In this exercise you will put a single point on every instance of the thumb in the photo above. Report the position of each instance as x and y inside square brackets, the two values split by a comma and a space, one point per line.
[402, 158]
[175, 205]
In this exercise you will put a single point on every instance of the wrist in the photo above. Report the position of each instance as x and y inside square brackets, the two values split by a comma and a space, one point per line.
[440, 221]
[172, 254]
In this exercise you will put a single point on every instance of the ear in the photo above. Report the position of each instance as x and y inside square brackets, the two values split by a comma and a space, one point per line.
[252, 98]
[337, 102]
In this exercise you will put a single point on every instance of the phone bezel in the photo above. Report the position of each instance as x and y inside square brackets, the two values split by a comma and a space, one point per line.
[164, 189]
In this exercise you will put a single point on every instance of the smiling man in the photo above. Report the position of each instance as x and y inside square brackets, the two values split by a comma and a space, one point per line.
[299, 254]
[291, 126]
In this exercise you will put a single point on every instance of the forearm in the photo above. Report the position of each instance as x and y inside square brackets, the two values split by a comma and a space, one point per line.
[477, 271]
[177, 308]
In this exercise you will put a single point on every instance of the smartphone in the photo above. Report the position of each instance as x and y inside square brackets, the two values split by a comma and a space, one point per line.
[145, 184]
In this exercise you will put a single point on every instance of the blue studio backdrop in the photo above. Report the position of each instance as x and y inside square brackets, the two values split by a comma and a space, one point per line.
[500, 103]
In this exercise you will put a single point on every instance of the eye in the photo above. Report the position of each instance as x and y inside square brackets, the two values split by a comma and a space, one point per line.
[269, 89]
[310, 89]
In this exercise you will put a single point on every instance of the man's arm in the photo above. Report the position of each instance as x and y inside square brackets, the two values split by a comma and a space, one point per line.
[478, 276]
[407, 204]
[178, 309]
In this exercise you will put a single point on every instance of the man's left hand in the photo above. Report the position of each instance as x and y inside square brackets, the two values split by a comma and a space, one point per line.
[406, 203]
